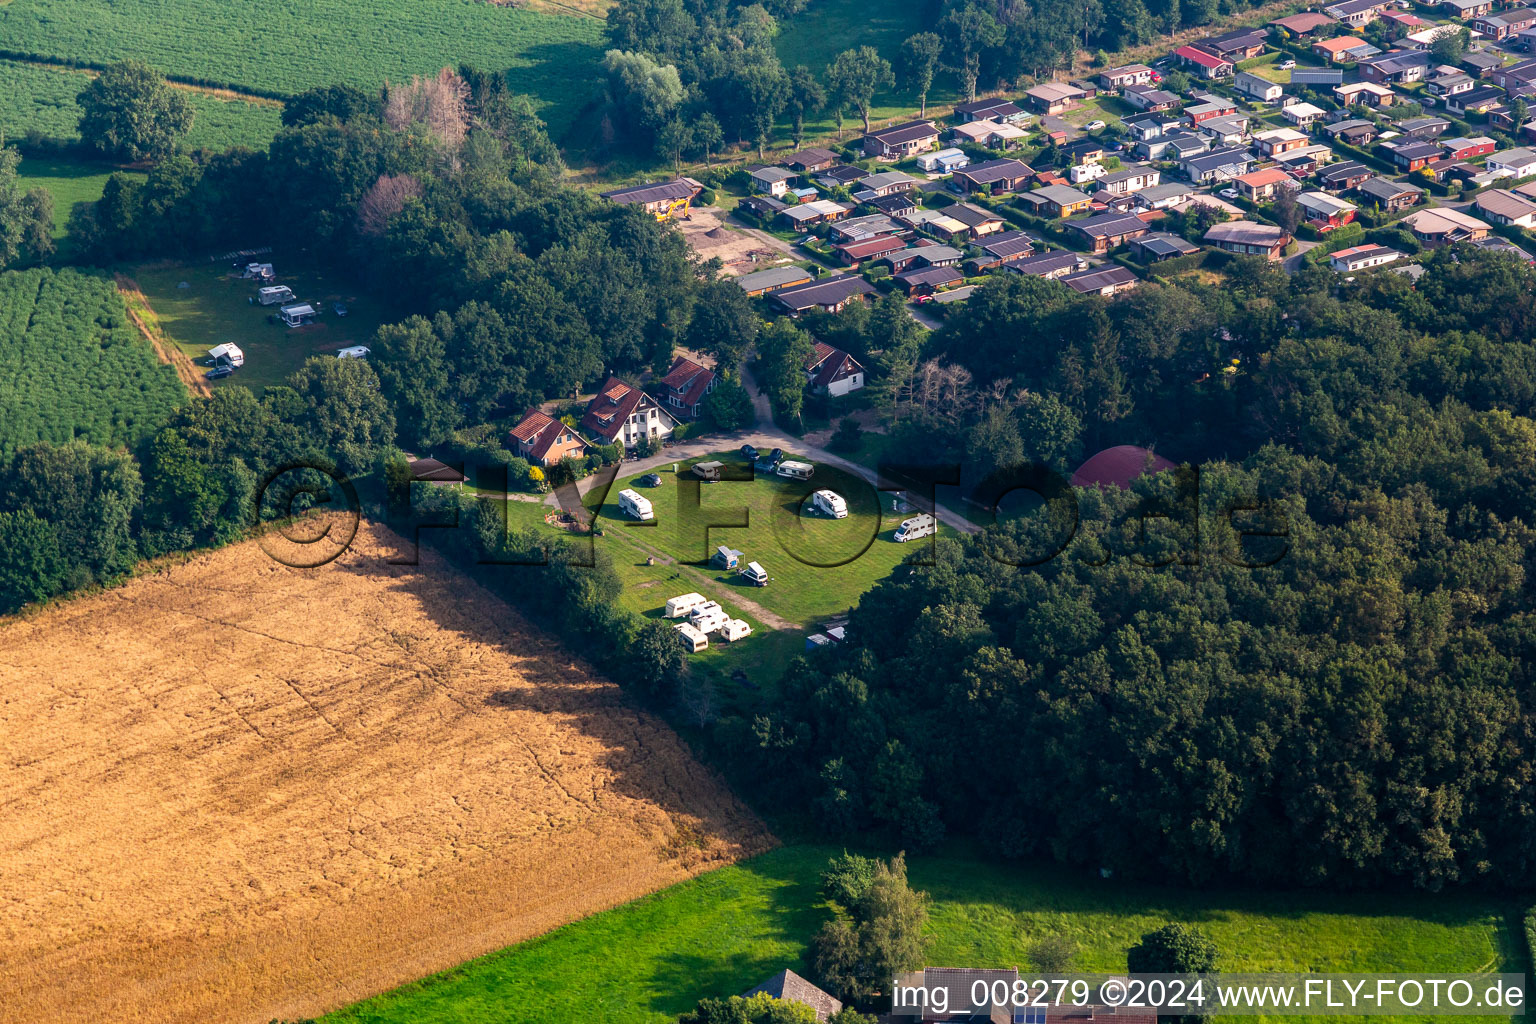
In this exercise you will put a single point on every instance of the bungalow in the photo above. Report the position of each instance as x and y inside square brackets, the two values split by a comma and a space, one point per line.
[927, 280]
[1362, 257]
[1146, 97]
[623, 414]
[1056, 201]
[1261, 186]
[1423, 127]
[1357, 13]
[1127, 74]
[940, 225]
[841, 176]
[902, 140]
[663, 200]
[1343, 176]
[1239, 44]
[1318, 77]
[1450, 85]
[1505, 207]
[791, 988]
[1206, 65]
[868, 226]
[1305, 161]
[439, 474]
[1474, 101]
[1513, 163]
[1048, 265]
[851, 254]
[1467, 10]
[765, 208]
[1131, 179]
[773, 181]
[1356, 132]
[1054, 97]
[1104, 281]
[995, 176]
[1479, 63]
[980, 222]
[1086, 150]
[1157, 246]
[1106, 231]
[765, 281]
[1424, 38]
[1163, 197]
[1394, 67]
[1338, 49]
[1326, 211]
[886, 182]
[1225, 131]
[832, 371]
[944, 161]
[924, 256]
[1501, 26]
[1303, 114]
[1002, 248]
[1172, 145]
[1403, 20]
[1365, 93]
[544, 440]
[1468, 149]
[896, 204]
[1279, 140]
[1410, 156]
[1304, 24]
[806, 215]
[1516, 74]
[1217, 165]
[1390, 196]
[1261, 89]
[1209, 107]
[1005, 111]
[830, 294]
[1249, 238]
[1444, 226]
[809, 161]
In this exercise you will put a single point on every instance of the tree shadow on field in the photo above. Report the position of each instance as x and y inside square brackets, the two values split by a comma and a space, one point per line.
[640, 755]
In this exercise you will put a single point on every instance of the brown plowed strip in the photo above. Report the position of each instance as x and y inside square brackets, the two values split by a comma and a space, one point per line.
[143, 317]
[232, 791]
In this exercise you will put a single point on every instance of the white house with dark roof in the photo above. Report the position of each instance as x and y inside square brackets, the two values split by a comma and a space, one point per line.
[833, 371]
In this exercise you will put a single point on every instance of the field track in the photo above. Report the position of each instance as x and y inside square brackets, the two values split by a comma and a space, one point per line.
[232, 791]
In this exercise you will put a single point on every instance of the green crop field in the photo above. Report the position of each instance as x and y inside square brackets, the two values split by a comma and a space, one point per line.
[287, 46]
[722, 933]
[71, 365]
[819, 566]
[41, 100]
[214, 308]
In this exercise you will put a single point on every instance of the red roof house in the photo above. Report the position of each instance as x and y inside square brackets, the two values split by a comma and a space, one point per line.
[544, 440]
[1118, 466]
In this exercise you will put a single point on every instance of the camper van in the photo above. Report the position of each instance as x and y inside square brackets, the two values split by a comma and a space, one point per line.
[679, 606]
[298, 314]
[918, 526]
[733, 630]
[227, 354]
[796, 470]
[708, 470]
[830, 503]
[754, 574]
[694, 639]
[633, 503]
[275, 295]
[354, 352]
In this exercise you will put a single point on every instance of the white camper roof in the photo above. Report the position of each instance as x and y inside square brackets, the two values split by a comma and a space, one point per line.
[227, 349]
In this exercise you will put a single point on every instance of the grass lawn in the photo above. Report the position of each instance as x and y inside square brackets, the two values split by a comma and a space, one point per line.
[722, 933]
[214, 308]
[819, 566]
[70, 181]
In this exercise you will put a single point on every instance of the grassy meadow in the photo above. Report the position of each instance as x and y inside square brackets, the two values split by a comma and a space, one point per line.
[69, 180]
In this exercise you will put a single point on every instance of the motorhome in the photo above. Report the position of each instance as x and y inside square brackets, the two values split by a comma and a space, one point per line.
[274, 295]
[635, 504]
[681, 605]
[830, 503]
[796, 470]
[733, 630]
[755, 574]
[227, 354]
[694, 639]
[354, 352]
[298, 314]
[918, 526]
[708, 470]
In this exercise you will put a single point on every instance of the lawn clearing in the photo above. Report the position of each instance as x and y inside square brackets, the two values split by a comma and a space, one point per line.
[819, 566]
[237, 791]
[69, 180]
[215, 308]
[724, 932]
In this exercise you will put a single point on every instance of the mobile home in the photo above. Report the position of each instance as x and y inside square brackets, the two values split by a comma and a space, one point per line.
[755, 574]
[733, 630]
[227, 353]
[918, 526]
[274, 295]
[693, 638]
[830, 503]
[634, 504]
[796, 470]
[298, 315]
[681, 605]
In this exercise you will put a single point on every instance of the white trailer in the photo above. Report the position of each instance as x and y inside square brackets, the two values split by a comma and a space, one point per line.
[796, 470]
[354, 352]
[754, 574]
[830, 503]
[275, 295]
[698, 611]
[298, 314]
[681, 605]
[711, 620]
[227, 353]
[633, 503]
[694, 640]
[918, 526]
[733, 630]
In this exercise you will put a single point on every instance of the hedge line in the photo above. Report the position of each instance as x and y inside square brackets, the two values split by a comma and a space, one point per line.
[25, 57]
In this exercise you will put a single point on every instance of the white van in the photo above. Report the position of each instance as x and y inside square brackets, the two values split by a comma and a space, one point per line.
[694, 640]
[354, 352]
[733, 630]
[274, 295]
[633, 503]
[830, 503]
[681, 605]
[918, 526]
[754, 574]
[796, 470]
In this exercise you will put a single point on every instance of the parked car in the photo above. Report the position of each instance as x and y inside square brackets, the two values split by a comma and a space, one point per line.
[340, 308]
[749, 452]
[1095, 126]
[1228, 193]
[222, 370]
[1286, 65]
[650, 480]
[776, 455]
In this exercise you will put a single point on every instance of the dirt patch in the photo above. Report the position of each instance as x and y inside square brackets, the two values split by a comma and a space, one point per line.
[236, 791]
[143, 317]
[740, 253]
